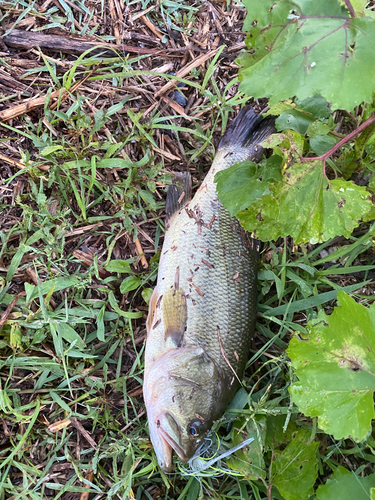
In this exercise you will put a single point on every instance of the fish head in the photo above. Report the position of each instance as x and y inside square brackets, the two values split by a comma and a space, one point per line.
[183, 392]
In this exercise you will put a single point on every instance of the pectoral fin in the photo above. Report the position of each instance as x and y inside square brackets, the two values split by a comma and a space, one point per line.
[175, 315]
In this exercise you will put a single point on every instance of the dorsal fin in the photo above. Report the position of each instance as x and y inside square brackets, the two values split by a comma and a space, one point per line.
[179, 193]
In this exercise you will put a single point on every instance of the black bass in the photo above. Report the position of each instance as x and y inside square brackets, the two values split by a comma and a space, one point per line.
[202, 312]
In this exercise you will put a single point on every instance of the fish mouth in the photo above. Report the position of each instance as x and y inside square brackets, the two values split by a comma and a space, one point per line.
[169, 430]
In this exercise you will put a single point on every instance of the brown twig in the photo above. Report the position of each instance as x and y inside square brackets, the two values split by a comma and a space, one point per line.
[140, 252]
[75, 423]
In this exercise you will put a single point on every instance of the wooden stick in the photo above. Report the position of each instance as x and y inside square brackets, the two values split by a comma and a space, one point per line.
[139, 249]
[153, 28]
[114, 18]
[76, 44]
[29, 105]
[36, 102]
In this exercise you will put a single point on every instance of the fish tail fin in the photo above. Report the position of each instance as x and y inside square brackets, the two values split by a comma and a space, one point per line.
[179, 193]
[247, 130]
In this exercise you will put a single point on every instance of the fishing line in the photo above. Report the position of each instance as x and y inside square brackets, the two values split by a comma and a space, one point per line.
[199, 465]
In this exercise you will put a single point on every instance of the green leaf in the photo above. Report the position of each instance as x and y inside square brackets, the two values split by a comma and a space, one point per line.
[346, 485]
[130, 283]
[125, 314]
[239, 185]
[317, 106]
[71, 335]
[295, 469]
[307, 206]
[275, 431]
[51, 149]
[148, 198]
[249, 460]
[244, 183]
[317, 50]
[100, 324]
[146, 294]
[320, 144]
[118, 266]
[335, 368]
[294, 119]
[318, 128]
[57, 284]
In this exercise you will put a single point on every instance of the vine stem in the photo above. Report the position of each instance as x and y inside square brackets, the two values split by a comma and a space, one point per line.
[350, 7]
[345, 139]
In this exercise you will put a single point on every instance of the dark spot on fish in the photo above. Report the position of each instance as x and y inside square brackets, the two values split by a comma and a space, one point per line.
[174, 248]
[158, 302]
[196, 269]
[173, 399]
[158, 424]
[156, 324]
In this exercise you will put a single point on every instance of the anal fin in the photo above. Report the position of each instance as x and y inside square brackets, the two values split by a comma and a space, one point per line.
[179, 193]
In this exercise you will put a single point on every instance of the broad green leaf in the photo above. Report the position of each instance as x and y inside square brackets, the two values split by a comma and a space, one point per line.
[249, 460]
[239, 185]
[320, 144]
[130, 283]
[336, 370]
[294, 119]
[275, 431]
[312, 48]
[317, 106]
[295, 469]
[146, 294]
[307, 206]
[318, 128]
[346, 485]
[118, 266]
[243, 183]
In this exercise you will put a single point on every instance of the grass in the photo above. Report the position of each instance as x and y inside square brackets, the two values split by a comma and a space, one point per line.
[82, 183]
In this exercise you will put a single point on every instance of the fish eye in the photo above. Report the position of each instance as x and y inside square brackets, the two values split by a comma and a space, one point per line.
[194, 428]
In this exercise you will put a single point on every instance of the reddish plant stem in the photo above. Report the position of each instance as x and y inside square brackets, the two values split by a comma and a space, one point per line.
[350, 7]
[337, 146]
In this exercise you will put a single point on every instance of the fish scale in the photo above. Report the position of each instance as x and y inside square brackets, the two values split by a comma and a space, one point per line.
[202, 313]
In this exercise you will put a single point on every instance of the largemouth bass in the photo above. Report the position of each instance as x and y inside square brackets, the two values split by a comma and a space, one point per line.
[202, 312]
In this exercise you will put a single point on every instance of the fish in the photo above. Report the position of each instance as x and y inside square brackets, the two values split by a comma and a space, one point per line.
[202, 311]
